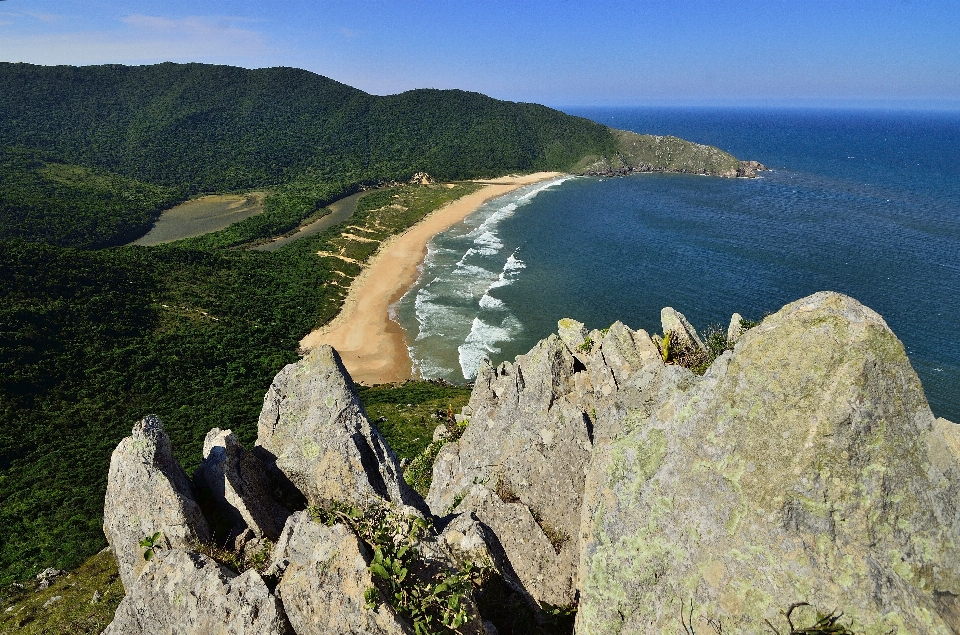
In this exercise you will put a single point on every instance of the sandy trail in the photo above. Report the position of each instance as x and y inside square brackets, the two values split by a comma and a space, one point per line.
[372, 345]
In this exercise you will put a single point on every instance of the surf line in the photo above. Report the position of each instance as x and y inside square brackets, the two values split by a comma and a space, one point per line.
[372, 345]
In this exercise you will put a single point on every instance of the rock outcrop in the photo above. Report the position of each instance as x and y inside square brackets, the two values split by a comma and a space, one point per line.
[314, 436]
[323, 578]
[239, 486]
[804, 466]
[186, 592]
[520, 464]
[318, 443]
[148, 492]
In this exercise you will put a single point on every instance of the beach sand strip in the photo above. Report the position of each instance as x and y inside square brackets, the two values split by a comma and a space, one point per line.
[371, 345]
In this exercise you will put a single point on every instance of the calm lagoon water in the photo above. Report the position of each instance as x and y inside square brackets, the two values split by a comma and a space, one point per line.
[865, 203]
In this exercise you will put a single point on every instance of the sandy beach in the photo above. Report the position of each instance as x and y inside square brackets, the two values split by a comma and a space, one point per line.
[372, 345]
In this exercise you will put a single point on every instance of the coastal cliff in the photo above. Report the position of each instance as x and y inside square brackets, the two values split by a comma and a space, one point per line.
[801, 476]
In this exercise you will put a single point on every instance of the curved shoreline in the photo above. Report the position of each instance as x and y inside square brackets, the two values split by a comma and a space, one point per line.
[371, 345]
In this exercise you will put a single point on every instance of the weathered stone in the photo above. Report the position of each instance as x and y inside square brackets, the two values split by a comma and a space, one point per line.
[324, 579]
[190, 594]
[571, 333]
[544, 564]
[531, 432]
[314, 431]
[239, 487]
[148, 492]
[804, 466]
[735, 329]
[674, 322]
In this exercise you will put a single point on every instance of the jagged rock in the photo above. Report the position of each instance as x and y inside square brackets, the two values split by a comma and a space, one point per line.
[190, 594]
[749, 169]
[735, 329]
[674, 322]
[531, 432]
[804, 466]
[526, 434]
[315, 434]
[240, 488]
[148, 492]
[324, 578]
[571, 333]
[543, 564]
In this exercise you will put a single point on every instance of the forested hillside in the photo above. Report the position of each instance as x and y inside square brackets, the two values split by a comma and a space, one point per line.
[213, 128]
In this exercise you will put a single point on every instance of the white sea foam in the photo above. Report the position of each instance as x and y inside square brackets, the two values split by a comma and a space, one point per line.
[479, 344]
[490, 302]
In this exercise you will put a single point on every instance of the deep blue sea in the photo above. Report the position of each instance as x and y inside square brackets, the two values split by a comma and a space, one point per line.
[862, 202]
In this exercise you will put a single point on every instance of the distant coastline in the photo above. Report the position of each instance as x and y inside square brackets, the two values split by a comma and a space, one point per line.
[371, 345]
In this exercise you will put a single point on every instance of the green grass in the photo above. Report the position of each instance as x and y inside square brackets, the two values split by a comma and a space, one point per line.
[88, 599]
[408, 413]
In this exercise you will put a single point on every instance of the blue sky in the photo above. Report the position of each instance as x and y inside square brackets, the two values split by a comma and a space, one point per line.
[798, 52]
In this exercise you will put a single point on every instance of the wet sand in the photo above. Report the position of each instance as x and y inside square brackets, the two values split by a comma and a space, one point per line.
[372, 345]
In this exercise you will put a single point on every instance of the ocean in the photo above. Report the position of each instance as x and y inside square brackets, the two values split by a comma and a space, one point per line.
[866, 203]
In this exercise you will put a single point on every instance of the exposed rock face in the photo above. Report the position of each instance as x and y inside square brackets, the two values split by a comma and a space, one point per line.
[530, 435]
[804, 466]
[324, 577]
[190, 594]
[147, 492]
[314, 431]
[735, 329]
[674, 322]
[239, 486]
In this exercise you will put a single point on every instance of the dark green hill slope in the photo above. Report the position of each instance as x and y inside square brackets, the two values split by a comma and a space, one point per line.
[215, 128]
[45, 200]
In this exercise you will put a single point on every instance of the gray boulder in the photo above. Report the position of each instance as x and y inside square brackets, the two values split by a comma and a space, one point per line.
[239, 487]
[148, 492]
[672, 321]
[735, 329]
[325, 576]
[804, 466]
[315, 436]
[185, 593]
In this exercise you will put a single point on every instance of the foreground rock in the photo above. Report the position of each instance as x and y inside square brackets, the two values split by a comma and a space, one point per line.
[148, 492]
[528, 444]
[183, 592]
[239, 487]
[805, 466]
[314, 434]
[324, 576]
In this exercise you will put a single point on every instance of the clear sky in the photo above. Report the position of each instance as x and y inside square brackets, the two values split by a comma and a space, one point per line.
[796, 52]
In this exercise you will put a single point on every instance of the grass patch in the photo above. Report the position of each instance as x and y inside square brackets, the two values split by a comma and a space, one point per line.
[408, 413]
[88, 599]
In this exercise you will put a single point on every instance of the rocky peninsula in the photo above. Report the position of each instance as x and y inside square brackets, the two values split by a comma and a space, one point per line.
[801, 480]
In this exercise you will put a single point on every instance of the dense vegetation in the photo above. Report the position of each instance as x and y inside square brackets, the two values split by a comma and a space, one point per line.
[217, 128]
[42, 199]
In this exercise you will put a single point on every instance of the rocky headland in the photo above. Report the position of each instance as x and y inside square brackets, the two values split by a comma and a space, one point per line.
[637, 153]
[800, 480]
